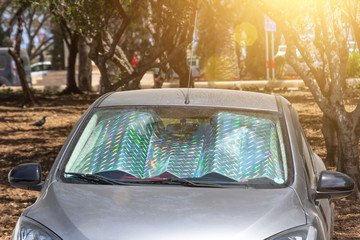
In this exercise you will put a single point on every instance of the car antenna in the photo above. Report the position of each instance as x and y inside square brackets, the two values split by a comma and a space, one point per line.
[187, 97]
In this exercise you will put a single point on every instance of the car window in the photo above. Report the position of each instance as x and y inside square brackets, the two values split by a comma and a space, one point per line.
[182, 142]
[304, 149]
[47, 67]
[2, 62]
[308, 160]
[36, 68]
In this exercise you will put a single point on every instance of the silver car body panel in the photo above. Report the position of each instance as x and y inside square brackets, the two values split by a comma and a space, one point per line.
[198, 97]
[81, 211]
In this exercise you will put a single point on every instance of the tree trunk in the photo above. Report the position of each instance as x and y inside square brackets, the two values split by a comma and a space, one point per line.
[181, 67]
[349, 155]
[104, 80]
[85, 68]
[100, 61]
[331, 141]
[105, 85]
[71, 79]
[162, 76]
[57, 53]
[133, 84]
[224, 63]
[28, 95]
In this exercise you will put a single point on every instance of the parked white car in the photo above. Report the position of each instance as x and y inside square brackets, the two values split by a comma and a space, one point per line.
[40, 69]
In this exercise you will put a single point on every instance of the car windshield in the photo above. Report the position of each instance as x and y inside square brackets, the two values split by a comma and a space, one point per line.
[199, 144]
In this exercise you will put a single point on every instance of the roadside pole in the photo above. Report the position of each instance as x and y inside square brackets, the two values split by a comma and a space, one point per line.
[267, 55]
[270, 26]
[272, 55]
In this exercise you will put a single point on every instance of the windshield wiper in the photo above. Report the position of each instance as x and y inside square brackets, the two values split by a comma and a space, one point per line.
[104, 180]
[96, 178]
[181, 181]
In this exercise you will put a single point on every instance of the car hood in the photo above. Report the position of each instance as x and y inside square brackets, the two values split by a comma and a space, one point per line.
[84, 211]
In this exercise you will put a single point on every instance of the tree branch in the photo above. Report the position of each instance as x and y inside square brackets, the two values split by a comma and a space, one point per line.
[41, 49]
[4, 6]
[291, 57]
[121, 61]
[46, 17]
[125, 22]
[64, 29]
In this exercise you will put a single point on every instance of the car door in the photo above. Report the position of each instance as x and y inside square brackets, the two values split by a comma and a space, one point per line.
[313, 167]
[323, 206]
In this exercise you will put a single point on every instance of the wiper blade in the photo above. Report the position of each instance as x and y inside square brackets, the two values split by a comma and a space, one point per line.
[188, 183]
[181, 181]
[104, 180]
[96, 178]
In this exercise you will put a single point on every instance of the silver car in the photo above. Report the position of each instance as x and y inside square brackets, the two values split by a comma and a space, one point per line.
[165, 164]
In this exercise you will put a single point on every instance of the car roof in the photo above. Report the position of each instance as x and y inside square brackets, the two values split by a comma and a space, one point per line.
[41, 63]
[6, 49]
[197, 96]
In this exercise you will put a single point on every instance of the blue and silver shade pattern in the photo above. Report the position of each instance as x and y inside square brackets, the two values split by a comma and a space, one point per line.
[239, 145]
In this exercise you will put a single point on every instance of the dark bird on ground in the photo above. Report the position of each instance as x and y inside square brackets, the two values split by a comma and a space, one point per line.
[39, 123]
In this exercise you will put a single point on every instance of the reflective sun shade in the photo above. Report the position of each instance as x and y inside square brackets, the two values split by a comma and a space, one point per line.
[187, 143]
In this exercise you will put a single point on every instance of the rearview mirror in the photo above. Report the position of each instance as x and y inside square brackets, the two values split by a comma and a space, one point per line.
[26, 176]
[334, 185]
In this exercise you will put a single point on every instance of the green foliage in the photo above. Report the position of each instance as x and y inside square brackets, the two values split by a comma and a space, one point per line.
[353, 65]
[6, 90]
[34, 90]
[57, 50]
[89, 17]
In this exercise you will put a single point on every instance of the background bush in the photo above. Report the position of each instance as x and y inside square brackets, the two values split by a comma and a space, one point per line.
[353, 65]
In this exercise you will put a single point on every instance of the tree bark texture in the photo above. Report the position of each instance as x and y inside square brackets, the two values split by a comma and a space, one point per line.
[181, 67]
[15, 53]
[161, 76]
[226, 63]
[85, 67]
[217, 42]
[71, 68]
[331, 141]
[349, 155]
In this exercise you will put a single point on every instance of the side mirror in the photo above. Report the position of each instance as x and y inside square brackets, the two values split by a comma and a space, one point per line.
[26, 176]
[334, 185]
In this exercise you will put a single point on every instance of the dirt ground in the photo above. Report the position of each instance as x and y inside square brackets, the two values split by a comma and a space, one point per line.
[20, 143]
